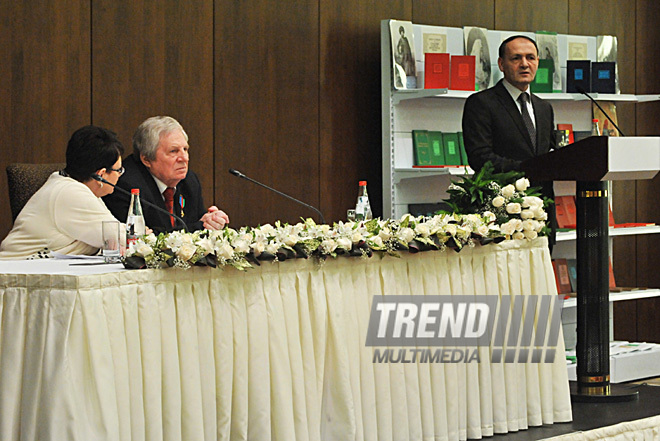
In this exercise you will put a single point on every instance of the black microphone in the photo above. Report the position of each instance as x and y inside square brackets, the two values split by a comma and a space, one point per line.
[146, 202]
[241, 175]
[583, 92]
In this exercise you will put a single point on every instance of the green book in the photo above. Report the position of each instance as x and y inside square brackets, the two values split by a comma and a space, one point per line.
[464, 158]
[452, 148]
[421, 147]
[437, 148]
[543, 80]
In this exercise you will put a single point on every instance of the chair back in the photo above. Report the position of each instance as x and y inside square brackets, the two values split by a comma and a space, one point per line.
[24, 180]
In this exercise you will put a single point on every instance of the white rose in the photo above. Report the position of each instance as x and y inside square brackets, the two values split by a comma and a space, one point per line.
[518, 235]
[490, 216]
[540, 214]
[142, 249]
[508, 191]
[344, 243]
[258, 248]
[225, 250]
[423, 230]
[385, 234]
[272, 248]
[498, 201]
[186, 251]
[356, 237]
[517, 223]
[482, 230]
[522, 184]
[290, 240]
[406, 234]
[530, 225]
[508, 228]
[527, 214]
[532, 202]
[513, 208]
[206, 245]
[531, 234]
[377, 241]
[328, 245]
[539, 226]
[267, 230]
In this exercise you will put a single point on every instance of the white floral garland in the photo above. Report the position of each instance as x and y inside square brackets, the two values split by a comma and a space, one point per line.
[524, 219]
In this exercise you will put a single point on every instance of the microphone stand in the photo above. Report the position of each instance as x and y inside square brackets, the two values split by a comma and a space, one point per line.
[241, 175]
[584, 92]
[146, 202]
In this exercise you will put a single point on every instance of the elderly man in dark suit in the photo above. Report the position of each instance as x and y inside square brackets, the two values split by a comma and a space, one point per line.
[159, 168]
[506, 124]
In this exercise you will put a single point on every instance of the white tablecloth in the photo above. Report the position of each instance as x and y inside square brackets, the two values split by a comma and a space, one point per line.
[276, 352]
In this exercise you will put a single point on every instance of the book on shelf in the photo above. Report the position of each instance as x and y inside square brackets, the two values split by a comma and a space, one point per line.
[566, 211]
[462, 72]
[421, 147]
[452, 149]
[437, 148]
[606, 50]
[603, 77]
[634, 224]
[560, 267]
[611, 221]
[404, 71]
[578, 74]
[612, 281]
[476, 45]
[568, 127]
[572, 273]
[579, 135]
[461, 144]
[542, 82]
[548, 45]
[436, 71]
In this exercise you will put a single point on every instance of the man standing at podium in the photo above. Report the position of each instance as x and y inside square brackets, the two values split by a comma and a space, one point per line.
[507, 124]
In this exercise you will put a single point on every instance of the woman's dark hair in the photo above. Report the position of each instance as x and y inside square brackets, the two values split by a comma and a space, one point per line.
[90, 149]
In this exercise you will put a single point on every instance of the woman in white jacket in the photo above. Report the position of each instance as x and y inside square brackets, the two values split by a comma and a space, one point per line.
[65, 214]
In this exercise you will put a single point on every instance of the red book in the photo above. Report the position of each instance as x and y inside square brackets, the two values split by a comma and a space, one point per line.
[462, 72]
[568, 127]
[612, 224]
[563, 281]
[612, 281]
[571, 211]
[563, 220]
[436, 71]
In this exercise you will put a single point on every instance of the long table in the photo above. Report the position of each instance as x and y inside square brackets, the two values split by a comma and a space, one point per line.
[275, 352]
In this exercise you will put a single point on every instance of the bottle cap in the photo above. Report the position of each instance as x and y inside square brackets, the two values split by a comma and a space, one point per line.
[135, 191]
[594, 120]
[363, 183]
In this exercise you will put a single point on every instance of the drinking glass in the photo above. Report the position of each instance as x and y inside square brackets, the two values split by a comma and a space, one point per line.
[111, 251]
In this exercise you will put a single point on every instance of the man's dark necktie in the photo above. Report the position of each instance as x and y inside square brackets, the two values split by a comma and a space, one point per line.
[527, 119]
[168, 194]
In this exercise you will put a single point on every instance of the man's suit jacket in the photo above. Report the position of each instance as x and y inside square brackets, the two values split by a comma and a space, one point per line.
[188, 191]
[493, 129]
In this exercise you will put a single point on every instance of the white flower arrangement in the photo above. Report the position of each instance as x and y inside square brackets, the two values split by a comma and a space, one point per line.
[486, 208]
[246, 247]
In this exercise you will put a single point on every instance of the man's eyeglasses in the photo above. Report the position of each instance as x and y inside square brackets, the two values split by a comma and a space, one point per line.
[120, 170]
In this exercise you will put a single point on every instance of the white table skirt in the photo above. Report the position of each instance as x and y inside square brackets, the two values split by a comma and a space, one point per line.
[276, 352]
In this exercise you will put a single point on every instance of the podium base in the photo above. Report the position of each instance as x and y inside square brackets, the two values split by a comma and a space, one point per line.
[613, 393]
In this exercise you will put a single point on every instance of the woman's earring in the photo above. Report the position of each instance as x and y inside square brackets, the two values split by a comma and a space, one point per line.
[101, 183]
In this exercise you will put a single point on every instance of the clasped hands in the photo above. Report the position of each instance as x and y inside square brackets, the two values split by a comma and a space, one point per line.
[214, 219]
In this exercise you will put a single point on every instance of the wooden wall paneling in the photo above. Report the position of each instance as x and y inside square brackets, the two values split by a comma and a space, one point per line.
[479, 13]
[625, 329]
[532, 15]
[44, 83]
[266, 108]
[152, 58]
[350, 112]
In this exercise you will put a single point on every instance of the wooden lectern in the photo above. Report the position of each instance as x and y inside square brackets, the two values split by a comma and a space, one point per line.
[591, 163]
